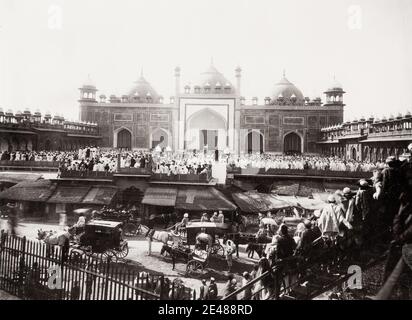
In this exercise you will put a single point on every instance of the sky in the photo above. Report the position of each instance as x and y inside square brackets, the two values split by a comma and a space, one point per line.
[49, 47]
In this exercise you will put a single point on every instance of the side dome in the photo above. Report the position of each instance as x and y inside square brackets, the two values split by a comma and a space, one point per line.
[285, 92]
[89, 83]
[212, 81]
[143, 91]
[335, 86]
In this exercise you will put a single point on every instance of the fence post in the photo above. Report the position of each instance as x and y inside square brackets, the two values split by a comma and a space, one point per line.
[162, 289]
[22, 267]
[106, 282]
[276, 287]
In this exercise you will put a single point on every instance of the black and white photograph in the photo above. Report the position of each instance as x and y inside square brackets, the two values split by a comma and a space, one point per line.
[180, 151]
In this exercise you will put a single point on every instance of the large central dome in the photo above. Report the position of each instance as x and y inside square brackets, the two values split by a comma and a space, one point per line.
[212, 81]
[286, 92]
[144, 91]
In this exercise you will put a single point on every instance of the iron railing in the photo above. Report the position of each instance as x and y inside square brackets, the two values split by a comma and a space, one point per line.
[34, 270]
[86, 174]
[298, 172]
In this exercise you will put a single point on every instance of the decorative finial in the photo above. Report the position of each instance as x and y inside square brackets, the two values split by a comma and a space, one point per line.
[284, 73]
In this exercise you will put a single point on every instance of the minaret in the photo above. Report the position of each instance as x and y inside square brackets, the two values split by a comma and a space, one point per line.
[177, 82]
[334, 94]
[238, 73]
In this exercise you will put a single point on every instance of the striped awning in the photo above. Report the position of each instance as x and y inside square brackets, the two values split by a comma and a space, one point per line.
[37, 191]
[158, 196]
[254, 201]
[100, 195]
[69, 195]
[202, 199]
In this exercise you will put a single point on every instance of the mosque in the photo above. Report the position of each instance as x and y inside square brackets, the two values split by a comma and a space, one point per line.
[211, 114]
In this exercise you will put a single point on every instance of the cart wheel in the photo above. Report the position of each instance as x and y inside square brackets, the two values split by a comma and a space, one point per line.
[123, 252]
[194, 267]
[218, 249]
[110, 254]
[130, 229]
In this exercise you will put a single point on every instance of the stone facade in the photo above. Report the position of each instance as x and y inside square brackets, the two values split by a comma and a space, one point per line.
[211, 114]
[369, 139]
[26, 131]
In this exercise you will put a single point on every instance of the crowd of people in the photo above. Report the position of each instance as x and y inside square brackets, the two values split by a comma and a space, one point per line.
[172, 163]
[268, 161]
[182, 163]
[350, 222]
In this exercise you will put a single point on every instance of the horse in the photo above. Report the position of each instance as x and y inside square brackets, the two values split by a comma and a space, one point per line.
[253, 247]
[54, 238]
[161, 236]
[184, 253]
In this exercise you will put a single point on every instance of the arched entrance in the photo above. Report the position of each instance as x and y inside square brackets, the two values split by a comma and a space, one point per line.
[47, 145]
[353, 153]
[206, 129]
[124, 139]
[4, 145]
[292, 143]
[366, 154]
[384, 154]
[254, 142]
[159, 137]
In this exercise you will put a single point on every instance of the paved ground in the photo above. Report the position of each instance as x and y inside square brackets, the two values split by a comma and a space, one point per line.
[6, 296]
[155, 263]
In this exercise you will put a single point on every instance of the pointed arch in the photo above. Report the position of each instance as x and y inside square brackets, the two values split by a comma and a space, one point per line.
[254, 141]
[160, 136]
[292, 142]
[122, 138]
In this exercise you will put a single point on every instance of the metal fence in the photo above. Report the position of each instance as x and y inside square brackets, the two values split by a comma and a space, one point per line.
[86, 174]
[35, 271]
[306, 172]
[303, 277]
[202, 177]
[29, 165]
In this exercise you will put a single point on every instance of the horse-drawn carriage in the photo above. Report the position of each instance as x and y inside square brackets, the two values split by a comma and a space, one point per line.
[204, 236]
[256, 242]
[129, 218]
[97, 236]
[103, 237]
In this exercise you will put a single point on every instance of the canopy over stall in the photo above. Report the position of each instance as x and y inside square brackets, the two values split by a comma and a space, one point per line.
[202, 199]
[253, 202]
[160, 196]
[37, 191]
[102, 195]
[73, 195]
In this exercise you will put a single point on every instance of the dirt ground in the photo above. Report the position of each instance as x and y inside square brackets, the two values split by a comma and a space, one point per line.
[139, 258]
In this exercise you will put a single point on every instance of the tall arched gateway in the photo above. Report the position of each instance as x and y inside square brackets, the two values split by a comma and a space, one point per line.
[254, 142]
[124, 139]
[292, 143]
[206, 128]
